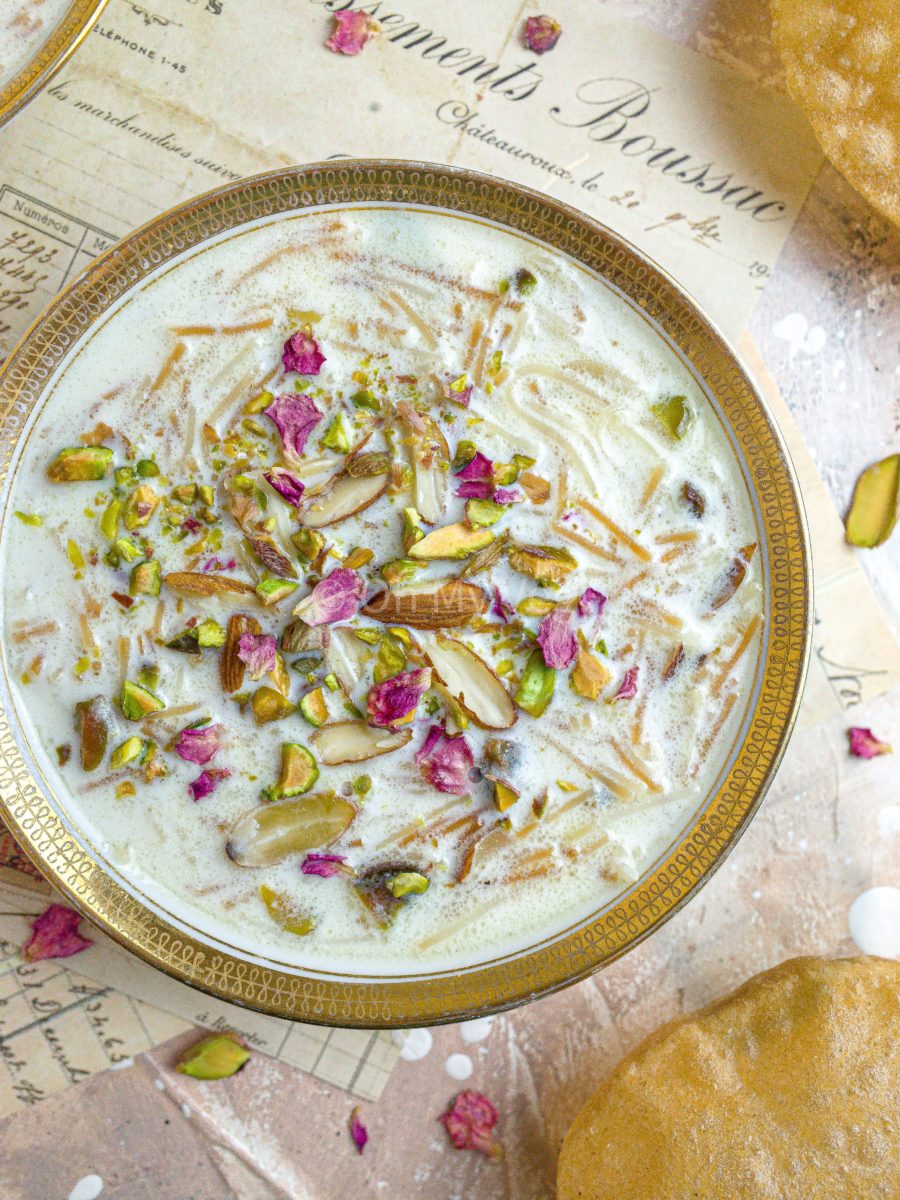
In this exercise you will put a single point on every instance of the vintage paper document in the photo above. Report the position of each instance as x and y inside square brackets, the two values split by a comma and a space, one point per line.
[62, 1020]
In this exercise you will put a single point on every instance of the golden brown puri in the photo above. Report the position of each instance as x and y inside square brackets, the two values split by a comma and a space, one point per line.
[841, 57]
[788, 1089]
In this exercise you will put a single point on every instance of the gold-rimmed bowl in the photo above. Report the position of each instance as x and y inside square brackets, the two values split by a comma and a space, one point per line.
[59, 42]
[38, 820]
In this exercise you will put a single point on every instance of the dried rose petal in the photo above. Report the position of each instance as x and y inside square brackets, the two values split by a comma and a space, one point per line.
[358, 1131]
[325, 865]
[191, 525]
[352, 30]
[207, 782]
[479, 468]
[459, 391]
[295, 417]
[302, 354]
[213, 564]
[590, 597]
[501, 608]
[628, 686]
[257, 650]
[199, 745]
[54, 934]
[864, 743]
[507, 496]
[541, 34]
[476, 489]
[556, 639]
[398, 697]
[470, 1124]
[288, 486]
[445, 761]
[335, 598]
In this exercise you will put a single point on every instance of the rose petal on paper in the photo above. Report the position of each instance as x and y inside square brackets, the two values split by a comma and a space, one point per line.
[470, 1124]
[295, 417]
[445, 762]
[207, 782]
[335, 598]
[288, 486]
[475, 489]
[301, 353]
[541, 34]
[479, 468]
[398, 697]
[864, 743]
[358, 1131]
[257, 650]
[325, 865]
[556, 639]
[198, 745]
[54, 934]
[351, 31]
[590, 598]
[628, 686]
[501, 608]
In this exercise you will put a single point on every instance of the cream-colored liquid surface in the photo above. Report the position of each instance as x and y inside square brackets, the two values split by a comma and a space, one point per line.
[580, 372]
[24, 26]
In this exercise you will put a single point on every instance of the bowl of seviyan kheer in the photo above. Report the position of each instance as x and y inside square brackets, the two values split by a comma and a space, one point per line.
[36, 38]
[405, 594]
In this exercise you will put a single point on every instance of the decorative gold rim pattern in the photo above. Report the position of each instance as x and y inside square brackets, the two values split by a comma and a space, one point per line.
[56, 50]
[457, 994]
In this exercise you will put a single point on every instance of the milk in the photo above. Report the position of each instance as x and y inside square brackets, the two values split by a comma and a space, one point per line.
[581, 372]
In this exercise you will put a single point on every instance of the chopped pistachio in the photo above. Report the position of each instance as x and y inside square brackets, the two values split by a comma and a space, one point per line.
[185, 493]
[495, 362]
[269, 705]
[125, 476]
[73, 552]
[368, 465]
[210, 633]
[92, 725]
[63, 754]
[465, 452]
[314, 708]
[399, 570]
[137, 701]
[873, 512]
[358, 558]
[258, 403]
[80, 463]
[332, 682]
[139, 507]
[146, 468]
[145, 579]
[451, 541]
[109, 522]
[336, 436]
[483, 512]
[30, 518]
[299, 772]
[215, 1057]
[148, 676]
[545, 564]
[367, 400]
[308, 543]
[487, 557]
[675, 414]
[129, 750]
[535, 606]
[390, 661]
[362, 785]
[505, 795]
[413, 530]
[125, 788]
[406, 883]
[282, 910]
[535, 690]
[525, 282]
[370, 636]
[127, 549]
[207, 495]
[271, 591]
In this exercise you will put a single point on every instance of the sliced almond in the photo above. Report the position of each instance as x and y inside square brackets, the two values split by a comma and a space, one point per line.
[198, 583]
[470, 680]
[430, 456]
[346, 656]
[231, 668]
[443, 604]
[355, 741]
[272, 831]
[346, 497]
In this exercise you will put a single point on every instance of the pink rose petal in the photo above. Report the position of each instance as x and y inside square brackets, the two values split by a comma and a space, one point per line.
[352, 29]
[198, 745]
[288, 486]
[480, 468]
[589, 598]
[445, 761]
[628, 686]
[502, 608]
[507, 496]
[541, 34]
[301, 353]
[191, 525]
[207, 782]
[213, 564]
[864, 743]
[556, 639]
[476, 489]
[54, 934]
[358, 1131]
[335, 598]
[295, 417]
[470, 1124]
[325, 865]
[398, 697]
[257, 650]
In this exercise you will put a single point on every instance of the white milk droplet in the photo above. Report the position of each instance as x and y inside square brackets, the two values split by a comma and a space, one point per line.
[889, 820]
[459, 1066]
[477, 1030]
[414, 1044]
[874, 921]
[87, 1188]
